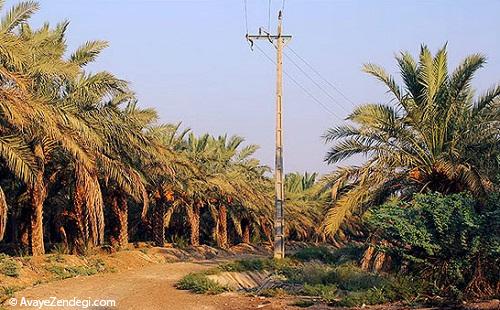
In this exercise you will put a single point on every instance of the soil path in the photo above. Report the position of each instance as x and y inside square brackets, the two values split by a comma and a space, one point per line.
[150, 287]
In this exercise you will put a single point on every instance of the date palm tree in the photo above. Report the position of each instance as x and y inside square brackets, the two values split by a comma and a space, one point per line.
[303, 205]
[434, 137]
[34, 125]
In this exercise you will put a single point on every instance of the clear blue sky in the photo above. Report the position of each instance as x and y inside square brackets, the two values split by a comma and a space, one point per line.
[189, 59]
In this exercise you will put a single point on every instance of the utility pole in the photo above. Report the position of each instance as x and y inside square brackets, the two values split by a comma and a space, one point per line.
[279, 40]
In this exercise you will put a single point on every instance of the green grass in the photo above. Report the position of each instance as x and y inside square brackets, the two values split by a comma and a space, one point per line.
[327, 293]
[94, 266]
[7, 292]
[323, 254]
[9, 266]
[372, 296]
[304, 303]
[352, 278]
[330, 276]
[56, 258]
[256, 264]
[199, 283]
[62, 272]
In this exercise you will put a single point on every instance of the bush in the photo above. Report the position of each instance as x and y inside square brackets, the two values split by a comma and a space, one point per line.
[314, 253]
[70, 272]
[303, 303]
[372, 296]
[7, 292]
[256, 264]
[352, 278]
[327, 293]
[452, 241]
[338, 256]
[8, 266]
[246, 265]
[199, 283]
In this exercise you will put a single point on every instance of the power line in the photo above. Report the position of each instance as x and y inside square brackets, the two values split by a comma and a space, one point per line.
[246, 15]
[316, 83]
[269, 16]
[297, 83]
[321, 76]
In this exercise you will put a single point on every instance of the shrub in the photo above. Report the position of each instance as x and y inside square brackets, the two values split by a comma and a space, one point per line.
[7, 292]
[199, 283]
[280, 266]
[8, 266]
[303, 303]
[452, 241]
[352, 278]
[345, 254]
[314, 253]
[246, 265]
[310, 273]
[327, 293]
[372, 296]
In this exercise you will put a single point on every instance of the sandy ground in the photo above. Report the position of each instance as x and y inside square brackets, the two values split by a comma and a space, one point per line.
[151, 287]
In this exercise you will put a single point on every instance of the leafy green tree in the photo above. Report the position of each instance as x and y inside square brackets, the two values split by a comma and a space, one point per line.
[434, 137]
[444, 240]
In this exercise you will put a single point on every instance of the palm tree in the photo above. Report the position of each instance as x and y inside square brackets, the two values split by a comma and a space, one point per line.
[34, 126]
[435, 137]
[304, 201]
[168, 172]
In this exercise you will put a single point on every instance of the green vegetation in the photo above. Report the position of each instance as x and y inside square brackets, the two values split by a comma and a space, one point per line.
[8, 266]
[326, 292]
[82, 164]
[7, 292]
[342, 284]
[93, 266]
[448, 240]
[200, 284]
[62, 272]
[435, 136]
[348, 253]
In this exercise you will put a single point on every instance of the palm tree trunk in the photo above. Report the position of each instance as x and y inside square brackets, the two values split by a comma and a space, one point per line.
[158, 223]
[80, 237]
[193, 213]
[3, 214]
[119, 207]
[222, 240]
[245, 227]
[38, 193]
[21, 227]
[267, 232]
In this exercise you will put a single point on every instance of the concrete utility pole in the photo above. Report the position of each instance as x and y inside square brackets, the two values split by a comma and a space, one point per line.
[279, 42]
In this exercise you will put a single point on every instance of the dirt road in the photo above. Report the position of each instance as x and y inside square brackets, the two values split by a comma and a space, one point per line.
[150, 287]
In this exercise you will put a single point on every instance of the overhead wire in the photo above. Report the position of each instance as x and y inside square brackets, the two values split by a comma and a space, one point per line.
[321, 76]
[289, 76]
[269, 16]
[315, 83]
[246, 15]
[307, 92]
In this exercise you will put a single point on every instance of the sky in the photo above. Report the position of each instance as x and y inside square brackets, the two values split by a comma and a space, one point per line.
[190, 61]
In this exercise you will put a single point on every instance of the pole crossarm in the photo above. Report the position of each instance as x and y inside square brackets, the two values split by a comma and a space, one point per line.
[267, 36]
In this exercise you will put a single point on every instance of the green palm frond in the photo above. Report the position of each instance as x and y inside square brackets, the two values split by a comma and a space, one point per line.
[88, 52]
[19, 14]
[17, 155]
[381, 75]
[434, 138]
